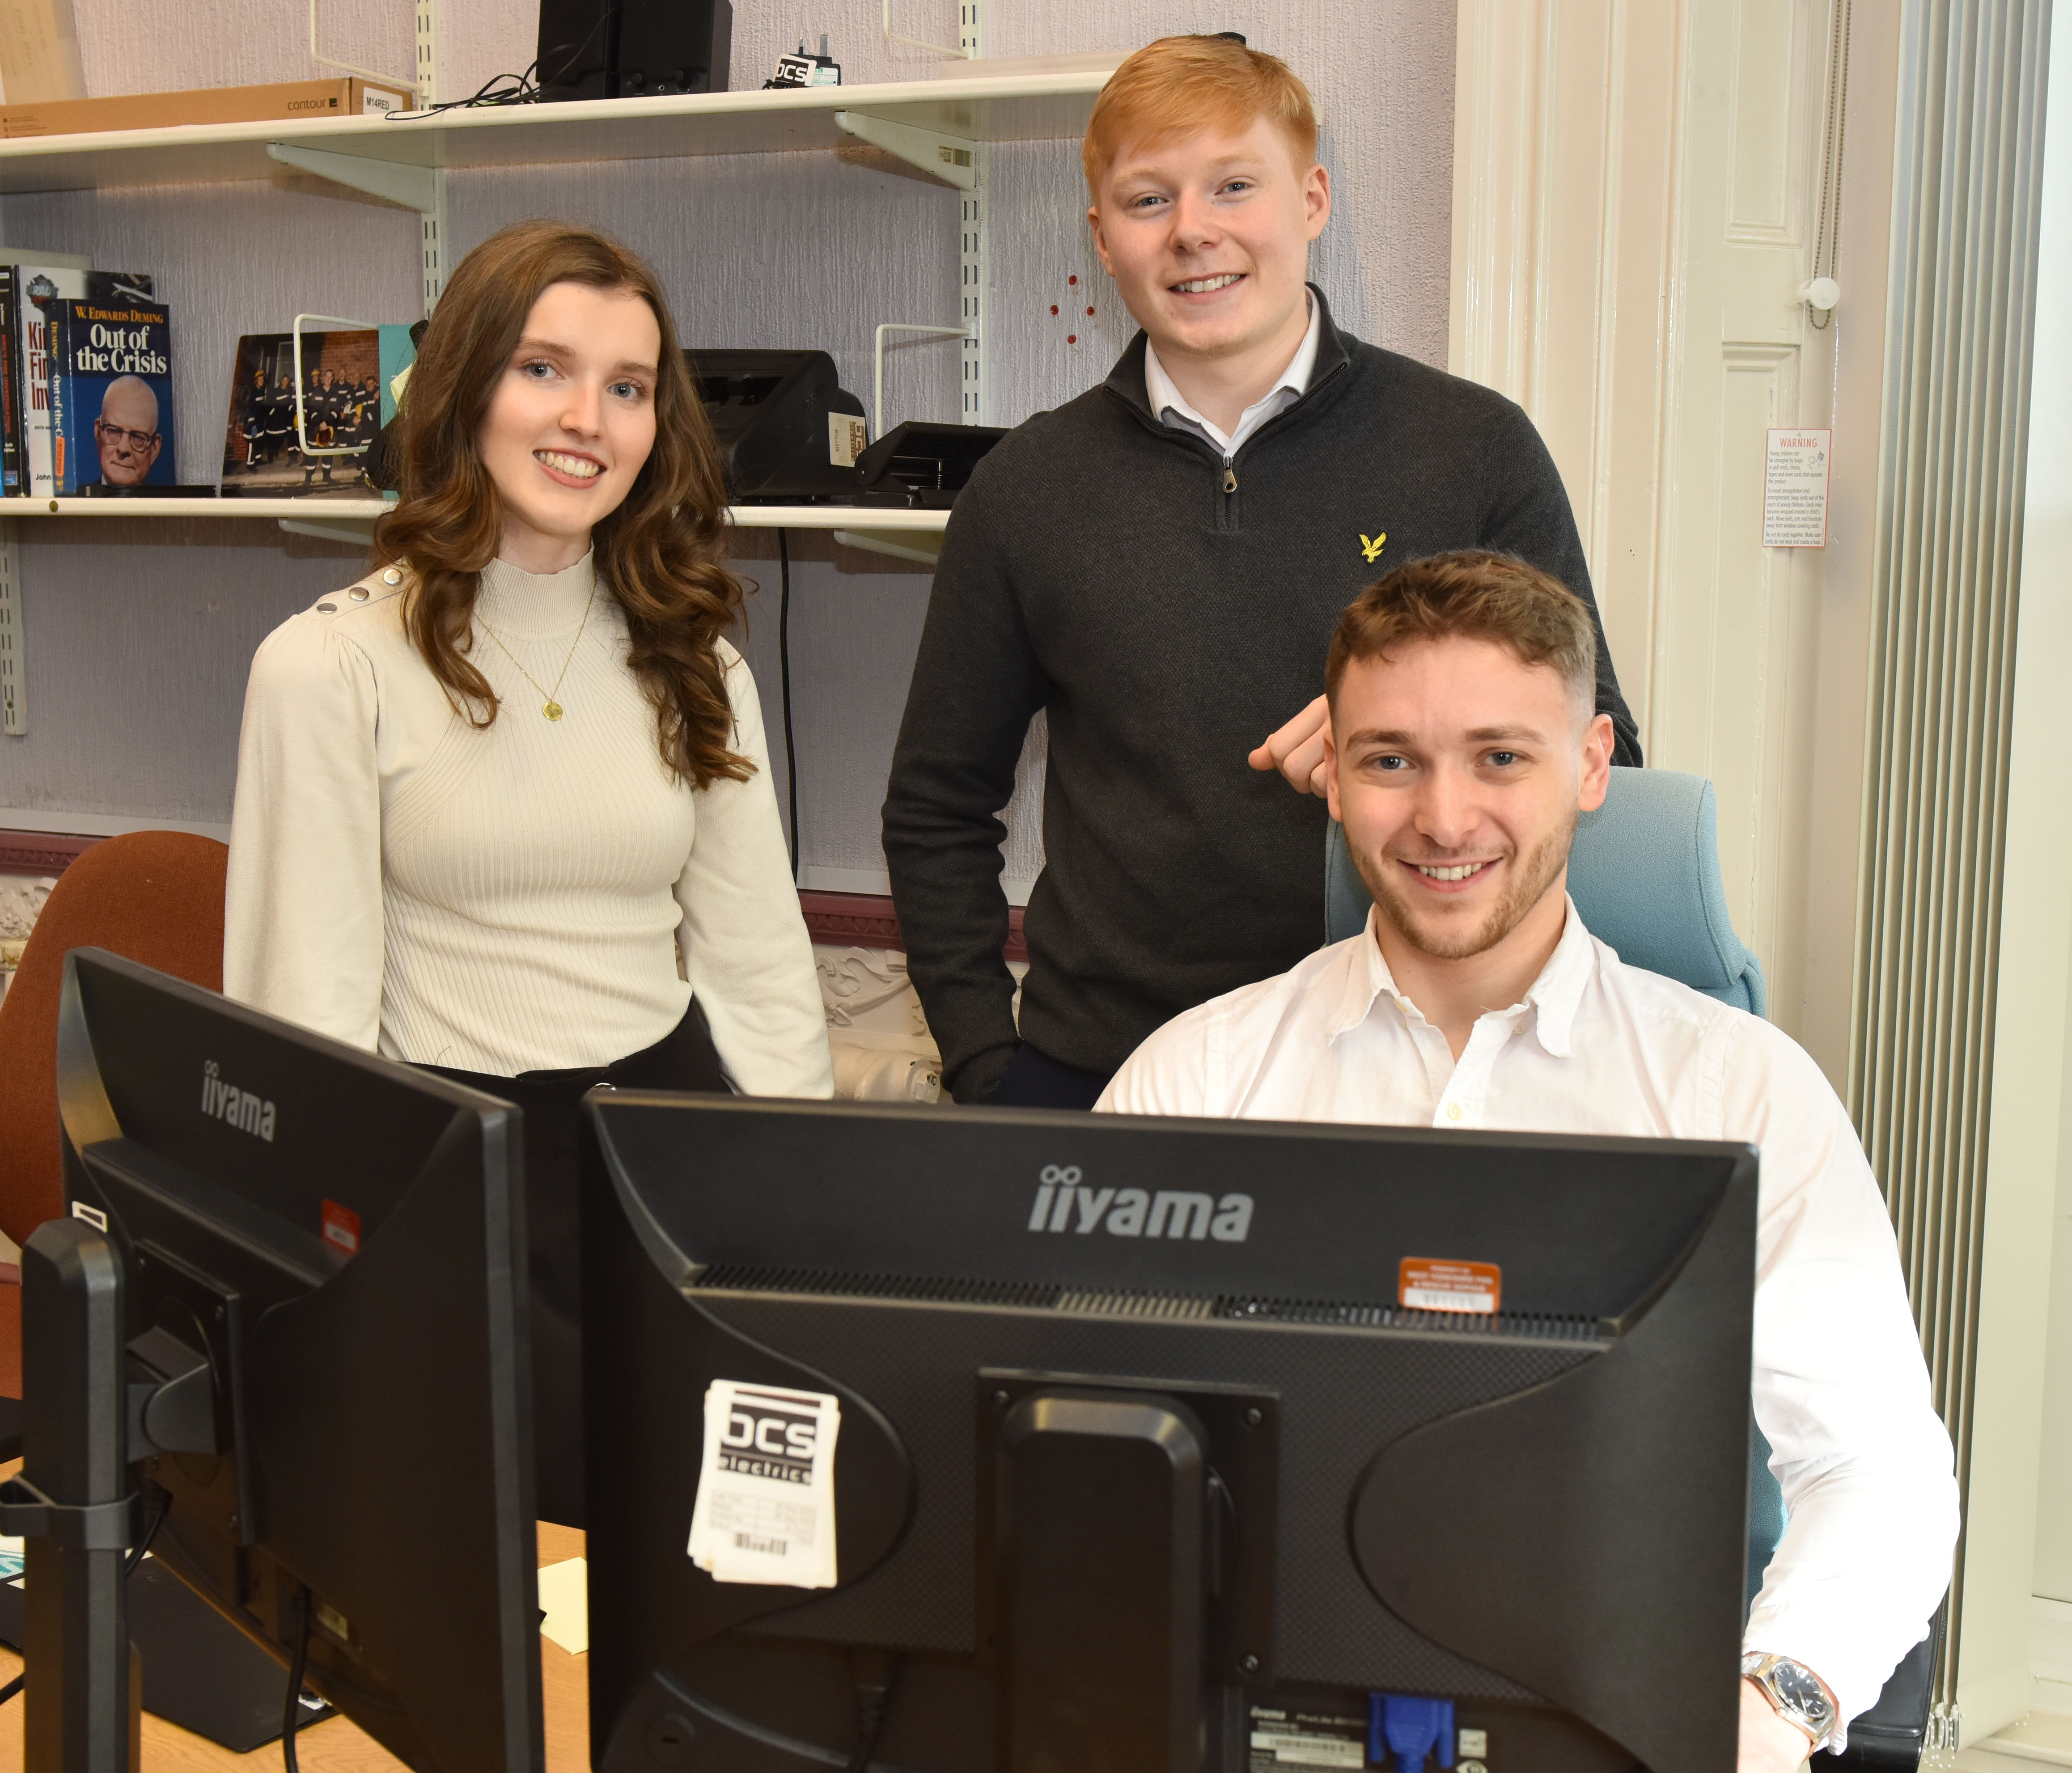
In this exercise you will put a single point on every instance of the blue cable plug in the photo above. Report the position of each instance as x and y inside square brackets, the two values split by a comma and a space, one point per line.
[1410, 1728]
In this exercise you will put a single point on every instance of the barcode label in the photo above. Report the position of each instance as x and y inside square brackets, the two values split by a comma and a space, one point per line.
[748, 1542]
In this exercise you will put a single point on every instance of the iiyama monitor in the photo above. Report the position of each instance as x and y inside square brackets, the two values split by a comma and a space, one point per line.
[320, 1257]
[1159, 1445]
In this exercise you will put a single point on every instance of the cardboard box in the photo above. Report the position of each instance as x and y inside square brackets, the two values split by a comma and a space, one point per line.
[298, 101]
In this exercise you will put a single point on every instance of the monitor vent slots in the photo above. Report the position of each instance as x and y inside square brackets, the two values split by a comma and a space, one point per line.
[1537, 1326]
[1037, 1296]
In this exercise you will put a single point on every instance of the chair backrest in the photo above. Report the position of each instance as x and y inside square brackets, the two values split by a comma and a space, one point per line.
[1644, 874]
[154, 897]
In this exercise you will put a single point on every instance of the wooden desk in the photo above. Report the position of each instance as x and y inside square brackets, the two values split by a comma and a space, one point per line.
[338, 1746]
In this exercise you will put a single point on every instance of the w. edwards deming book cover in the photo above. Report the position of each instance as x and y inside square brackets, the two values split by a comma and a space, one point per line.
[111, 394]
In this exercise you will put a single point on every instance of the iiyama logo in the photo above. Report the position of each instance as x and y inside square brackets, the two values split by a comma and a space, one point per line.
[239, 1107]
[1065, 1203]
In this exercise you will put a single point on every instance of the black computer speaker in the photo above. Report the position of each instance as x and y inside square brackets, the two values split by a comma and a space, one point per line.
[593, 49]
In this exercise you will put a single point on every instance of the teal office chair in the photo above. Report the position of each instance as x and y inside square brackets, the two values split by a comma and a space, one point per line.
[1645, 875]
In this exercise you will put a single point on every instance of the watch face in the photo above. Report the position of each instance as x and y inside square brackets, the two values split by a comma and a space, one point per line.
[1800, 1691]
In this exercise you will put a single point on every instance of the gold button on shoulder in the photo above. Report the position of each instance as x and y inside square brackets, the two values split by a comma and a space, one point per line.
[327, 608]
[358, 594]
[392, 576]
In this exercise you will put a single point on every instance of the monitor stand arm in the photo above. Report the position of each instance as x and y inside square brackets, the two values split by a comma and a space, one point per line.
[84, 1421]
[1099, 1506]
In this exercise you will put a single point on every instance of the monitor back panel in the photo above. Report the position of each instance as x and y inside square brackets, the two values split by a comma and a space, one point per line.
[1539, 1512]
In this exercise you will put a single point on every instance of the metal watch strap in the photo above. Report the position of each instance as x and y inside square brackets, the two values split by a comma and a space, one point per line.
[1818, 1723]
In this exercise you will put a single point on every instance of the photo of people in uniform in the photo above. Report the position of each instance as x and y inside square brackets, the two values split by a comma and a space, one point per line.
[264, 453]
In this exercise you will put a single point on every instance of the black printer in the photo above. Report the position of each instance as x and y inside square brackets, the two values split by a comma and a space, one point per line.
[789, 433]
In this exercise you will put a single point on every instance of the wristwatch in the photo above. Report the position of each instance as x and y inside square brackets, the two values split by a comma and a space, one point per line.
[1795, 1691]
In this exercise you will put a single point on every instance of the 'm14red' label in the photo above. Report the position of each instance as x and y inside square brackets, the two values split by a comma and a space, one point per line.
[341, 1228]
[1424, 1285]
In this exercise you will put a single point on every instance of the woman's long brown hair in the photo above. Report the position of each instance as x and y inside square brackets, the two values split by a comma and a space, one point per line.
[659, 554]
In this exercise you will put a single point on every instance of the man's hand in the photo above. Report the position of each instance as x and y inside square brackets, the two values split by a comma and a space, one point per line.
[1769, 1744]
[1297, 750]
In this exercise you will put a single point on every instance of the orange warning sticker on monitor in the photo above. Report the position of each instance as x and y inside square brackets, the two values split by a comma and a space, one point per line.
[341, 1228]
[1423, 1285]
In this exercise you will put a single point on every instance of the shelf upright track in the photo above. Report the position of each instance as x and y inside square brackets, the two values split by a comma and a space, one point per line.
[431, 85]
[14, 660]
[971, 243]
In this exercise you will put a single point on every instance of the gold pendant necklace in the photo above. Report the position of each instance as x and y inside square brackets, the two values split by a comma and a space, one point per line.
[552, 709]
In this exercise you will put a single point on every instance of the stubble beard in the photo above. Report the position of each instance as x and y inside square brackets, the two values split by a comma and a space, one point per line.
[1529, 882]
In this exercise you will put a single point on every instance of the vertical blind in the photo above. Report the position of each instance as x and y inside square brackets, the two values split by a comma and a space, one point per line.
[1966, 198]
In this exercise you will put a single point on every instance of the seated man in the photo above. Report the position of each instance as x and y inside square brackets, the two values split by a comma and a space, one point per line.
[1462, 744]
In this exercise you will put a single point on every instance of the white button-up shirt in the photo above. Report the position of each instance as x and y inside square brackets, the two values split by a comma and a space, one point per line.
[1840, 1386]
[1171, 405]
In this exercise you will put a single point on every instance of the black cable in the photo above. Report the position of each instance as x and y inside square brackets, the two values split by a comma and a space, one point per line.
[874, 1704]
[523, 90]
[164, 1502]
[13, 1687]
[293, 1715]
[784, 674]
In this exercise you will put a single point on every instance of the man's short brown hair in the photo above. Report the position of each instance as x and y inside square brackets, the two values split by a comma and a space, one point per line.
[1473, 596]
[1179, 86]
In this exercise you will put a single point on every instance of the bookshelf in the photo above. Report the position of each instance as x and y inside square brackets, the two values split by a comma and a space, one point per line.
[942, 125]
[975, 108]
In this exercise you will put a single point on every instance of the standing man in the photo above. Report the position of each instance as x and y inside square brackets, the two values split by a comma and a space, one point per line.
[1159, 565]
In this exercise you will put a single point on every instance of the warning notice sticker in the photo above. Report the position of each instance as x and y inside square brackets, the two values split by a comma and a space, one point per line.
[1424, 1284]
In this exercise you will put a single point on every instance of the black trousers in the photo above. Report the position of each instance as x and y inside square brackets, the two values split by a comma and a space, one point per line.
[551, 1102]
[1035, 1080]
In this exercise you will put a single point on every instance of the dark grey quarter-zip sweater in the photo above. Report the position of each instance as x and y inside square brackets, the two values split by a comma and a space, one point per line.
[1169, 609]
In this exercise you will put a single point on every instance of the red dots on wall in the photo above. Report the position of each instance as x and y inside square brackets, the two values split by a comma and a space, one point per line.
[1072, 280]
[1054, 307]
[1071, 339]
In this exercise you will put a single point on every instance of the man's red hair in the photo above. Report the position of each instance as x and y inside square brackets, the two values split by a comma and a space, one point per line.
[1179, 86]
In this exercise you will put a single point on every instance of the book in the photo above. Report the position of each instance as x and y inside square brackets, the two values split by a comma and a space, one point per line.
[11, 452]
[111, 394]
[345, 399]
[11, 478]
[36, 286]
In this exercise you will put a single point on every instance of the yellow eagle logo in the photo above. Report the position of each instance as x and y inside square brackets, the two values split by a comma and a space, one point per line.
[1371, 548]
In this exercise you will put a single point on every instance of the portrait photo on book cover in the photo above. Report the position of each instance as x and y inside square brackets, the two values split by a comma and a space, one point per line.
[264, 455]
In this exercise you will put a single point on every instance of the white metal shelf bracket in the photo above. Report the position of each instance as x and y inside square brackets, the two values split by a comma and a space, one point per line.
[14, 661]
[952, 158]
[958, 162]
[358, 534]
[413, 187]
[421, 188]
[901, 545]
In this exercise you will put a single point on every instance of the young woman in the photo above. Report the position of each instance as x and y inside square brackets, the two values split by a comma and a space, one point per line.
[504, 806]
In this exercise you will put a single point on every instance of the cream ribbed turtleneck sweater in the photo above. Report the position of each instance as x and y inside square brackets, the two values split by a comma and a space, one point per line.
[528, 896]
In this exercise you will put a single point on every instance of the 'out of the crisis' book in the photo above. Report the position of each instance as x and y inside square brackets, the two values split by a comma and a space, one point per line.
[111, 394]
